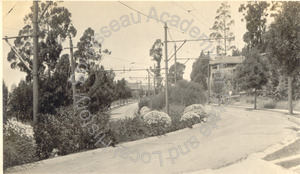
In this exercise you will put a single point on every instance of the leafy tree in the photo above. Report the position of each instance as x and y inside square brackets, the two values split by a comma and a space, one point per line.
[5, 101]
[20, 102]
[55, 91]
[283, 43]
[180, 67]
[100, 85]
[56, 24]
[236, 52]
[253, 72]
[272, 88]
[122, 90]
[90, 49]
[221, 29]
[156, 53]
[251, 75]
[200, 70]
[100, 88]
[255, 14]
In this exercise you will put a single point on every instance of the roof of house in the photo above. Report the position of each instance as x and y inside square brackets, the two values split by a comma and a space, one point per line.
[227, 60]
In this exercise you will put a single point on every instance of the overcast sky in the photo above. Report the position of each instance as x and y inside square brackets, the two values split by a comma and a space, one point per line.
[131, 43]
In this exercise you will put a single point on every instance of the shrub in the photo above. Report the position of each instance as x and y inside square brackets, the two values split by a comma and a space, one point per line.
[196, 108]
[297, 105]
[190, 118]
[144, 102]
[18, 148]
[189, 115]
[175, 112]
[249, 99]
[270, 105]
[46, 133]
[129, 129]
[158, 102]
[144, 110]
[193, 114]
[157, 119]
[187, 93]
[67, 132]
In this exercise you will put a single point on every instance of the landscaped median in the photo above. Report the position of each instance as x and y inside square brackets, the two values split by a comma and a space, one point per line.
[75, 130]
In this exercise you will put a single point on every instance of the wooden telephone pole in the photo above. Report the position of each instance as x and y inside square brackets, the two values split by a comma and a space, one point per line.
[72, 70]
[175, 63]
[208, 78]
[35, 62]
[166, 68]
[148, 83]
[34, 70]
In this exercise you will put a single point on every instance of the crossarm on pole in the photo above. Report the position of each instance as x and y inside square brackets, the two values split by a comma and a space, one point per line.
[18, 55]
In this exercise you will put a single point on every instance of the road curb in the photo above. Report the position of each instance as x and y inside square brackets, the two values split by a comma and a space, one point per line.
[284, 112]
[254, 159]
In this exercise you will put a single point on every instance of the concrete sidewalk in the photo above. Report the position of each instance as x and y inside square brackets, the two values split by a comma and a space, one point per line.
[292, 118]
[254, 164]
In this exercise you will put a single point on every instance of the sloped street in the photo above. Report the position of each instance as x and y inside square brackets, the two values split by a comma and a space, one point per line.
[239, 134]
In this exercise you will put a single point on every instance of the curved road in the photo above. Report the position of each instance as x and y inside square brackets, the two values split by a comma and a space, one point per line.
[124, 111]
[239, 133]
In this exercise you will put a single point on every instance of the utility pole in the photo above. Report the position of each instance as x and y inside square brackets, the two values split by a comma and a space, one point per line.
[166, 67]
[148, 83]
[137, 91]
[154, 80]
[208, 78]
[35, 62]
[224, 21]
[175, 63]
[72, 70]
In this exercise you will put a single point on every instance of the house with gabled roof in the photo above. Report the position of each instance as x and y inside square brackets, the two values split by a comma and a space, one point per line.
[226, 65]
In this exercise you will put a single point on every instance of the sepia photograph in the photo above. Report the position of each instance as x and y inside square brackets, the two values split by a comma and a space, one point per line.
[189, 87]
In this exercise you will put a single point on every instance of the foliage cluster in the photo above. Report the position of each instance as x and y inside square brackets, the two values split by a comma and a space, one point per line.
[68, 133]
[16, 143]
[193, 114]
[187, 93]
[200, 70]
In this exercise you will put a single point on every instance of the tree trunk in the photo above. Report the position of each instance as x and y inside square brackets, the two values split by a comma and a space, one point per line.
[255, 98]
[290, 95]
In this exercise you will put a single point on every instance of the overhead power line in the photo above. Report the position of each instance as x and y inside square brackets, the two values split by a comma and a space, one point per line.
[116, 58]
[209, 22]
[139, 11]
[189, 12]
[10, 10]
[146, 15]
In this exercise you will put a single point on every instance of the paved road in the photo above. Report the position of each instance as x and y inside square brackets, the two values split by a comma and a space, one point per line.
[124, 111]
[240, 132]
